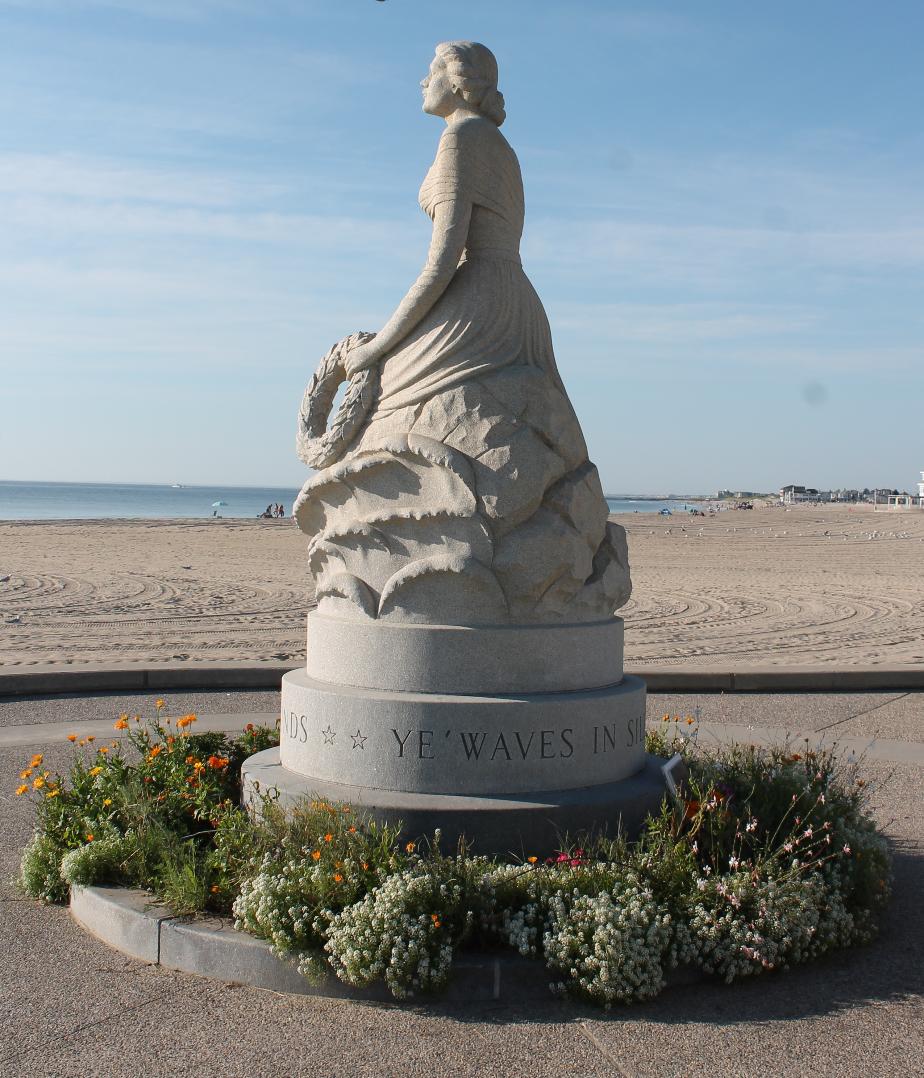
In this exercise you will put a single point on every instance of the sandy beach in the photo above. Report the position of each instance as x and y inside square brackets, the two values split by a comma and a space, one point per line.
[838, 586]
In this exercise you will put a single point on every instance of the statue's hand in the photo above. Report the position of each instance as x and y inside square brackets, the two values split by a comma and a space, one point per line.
[359, 358]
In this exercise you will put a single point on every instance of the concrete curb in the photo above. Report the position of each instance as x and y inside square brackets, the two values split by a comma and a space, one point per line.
[129, 921]
[51, 678]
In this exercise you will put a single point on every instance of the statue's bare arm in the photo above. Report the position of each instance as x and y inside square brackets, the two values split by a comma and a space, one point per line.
[450, 231]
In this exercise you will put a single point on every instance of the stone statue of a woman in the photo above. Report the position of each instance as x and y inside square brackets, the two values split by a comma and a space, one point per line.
[457, 488]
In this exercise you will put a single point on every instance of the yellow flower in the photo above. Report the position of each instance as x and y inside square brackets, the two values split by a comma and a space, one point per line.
[122, 724]
[20, 790]
[159, 704]
[71, 737]
[107, 801]
[36, 760]
[103, 749]
[94, 770]
[198, 766]
[51, 794]
[27, 774]
[38, 783]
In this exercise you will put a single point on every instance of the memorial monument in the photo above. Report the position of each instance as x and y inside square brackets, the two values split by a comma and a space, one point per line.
[464, 664]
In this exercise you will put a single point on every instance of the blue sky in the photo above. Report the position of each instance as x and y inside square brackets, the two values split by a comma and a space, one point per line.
[724, 220]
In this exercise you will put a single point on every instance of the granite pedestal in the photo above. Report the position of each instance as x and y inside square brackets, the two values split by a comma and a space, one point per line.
[508, 735]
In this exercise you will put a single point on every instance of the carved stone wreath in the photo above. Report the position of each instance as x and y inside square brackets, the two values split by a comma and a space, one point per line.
[318, 445]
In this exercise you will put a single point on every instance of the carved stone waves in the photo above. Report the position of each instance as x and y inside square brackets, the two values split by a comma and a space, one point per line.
[477, 507]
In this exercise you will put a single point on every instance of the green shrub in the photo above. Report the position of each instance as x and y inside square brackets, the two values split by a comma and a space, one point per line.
[766, 858]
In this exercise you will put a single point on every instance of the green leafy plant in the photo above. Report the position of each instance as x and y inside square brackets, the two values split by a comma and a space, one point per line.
[766, 857]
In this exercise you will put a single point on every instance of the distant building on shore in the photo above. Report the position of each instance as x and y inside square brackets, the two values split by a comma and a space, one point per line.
[791, 494]
[879, 497]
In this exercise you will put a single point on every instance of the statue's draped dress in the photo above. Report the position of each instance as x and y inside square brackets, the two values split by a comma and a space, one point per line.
[467, 496]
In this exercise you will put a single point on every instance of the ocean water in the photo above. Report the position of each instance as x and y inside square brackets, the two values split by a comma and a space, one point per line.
[86, 501]
[647, 505]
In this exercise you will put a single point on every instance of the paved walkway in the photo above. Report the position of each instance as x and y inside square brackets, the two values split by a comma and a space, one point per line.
[71, 1006]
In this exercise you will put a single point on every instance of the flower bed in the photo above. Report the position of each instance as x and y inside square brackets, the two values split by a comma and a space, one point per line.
[766, 859]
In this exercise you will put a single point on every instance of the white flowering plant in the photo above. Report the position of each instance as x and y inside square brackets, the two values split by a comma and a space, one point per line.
[762, 858]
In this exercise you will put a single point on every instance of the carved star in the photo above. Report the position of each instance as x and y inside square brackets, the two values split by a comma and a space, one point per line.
[359, 740]
[329, 735]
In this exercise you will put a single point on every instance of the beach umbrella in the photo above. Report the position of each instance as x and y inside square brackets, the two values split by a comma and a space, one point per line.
[215, 505]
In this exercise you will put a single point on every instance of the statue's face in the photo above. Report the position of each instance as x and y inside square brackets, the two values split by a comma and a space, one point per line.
[438, 96]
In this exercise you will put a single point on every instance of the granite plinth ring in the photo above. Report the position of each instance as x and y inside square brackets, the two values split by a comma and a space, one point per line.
[465, 659]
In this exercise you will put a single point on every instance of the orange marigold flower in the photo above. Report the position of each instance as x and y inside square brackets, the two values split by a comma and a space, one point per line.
[218, 762]
[38, 783]
[103, 749]
[365, 865]
[409, 848]
[155, 751]
[690, 720]
[89, 838]
[122, 724]
[27, 774]
[532, 860]
[95, 770]
[198, 766]
[315, 855]
[190, 759]
[351, 830]
[665, 718]
[435, 918]
[36, 760]
[214, 888]
[51, 794]
[20, 790]
[71, 737]
[328, 837]
[187, 720]
[159, 704]
[337, 877]
[90, 738]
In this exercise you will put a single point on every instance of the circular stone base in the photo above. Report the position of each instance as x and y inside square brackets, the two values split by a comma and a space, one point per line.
[521, 824]
[461, 744]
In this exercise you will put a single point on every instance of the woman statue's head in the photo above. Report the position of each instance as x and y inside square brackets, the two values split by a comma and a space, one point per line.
[468, 71]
